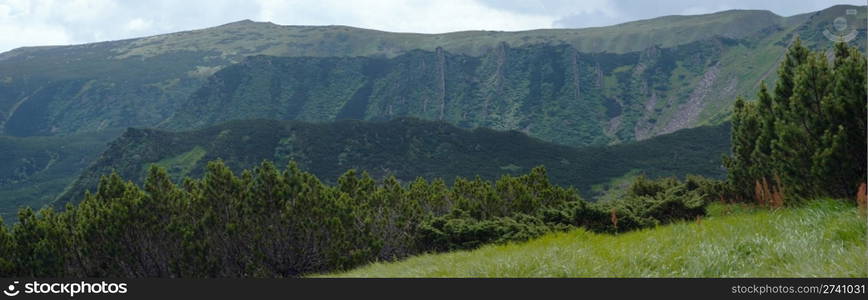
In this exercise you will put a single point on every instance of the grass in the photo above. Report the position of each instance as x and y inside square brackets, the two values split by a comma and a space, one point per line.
[823, 238]
[181, 165]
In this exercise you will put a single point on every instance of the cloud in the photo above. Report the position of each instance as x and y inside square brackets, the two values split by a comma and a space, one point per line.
[406, 16]
[32, 35]
[620, 11]
[139, 24]
[16, 29]
[52, 22]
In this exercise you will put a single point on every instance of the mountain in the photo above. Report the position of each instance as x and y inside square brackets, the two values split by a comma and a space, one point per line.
[406, 148]
[579, 87]
[34, 170]
[142, 82]
[551, 92]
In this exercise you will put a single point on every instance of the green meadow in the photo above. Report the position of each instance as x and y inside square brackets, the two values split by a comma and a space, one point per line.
[823, 238]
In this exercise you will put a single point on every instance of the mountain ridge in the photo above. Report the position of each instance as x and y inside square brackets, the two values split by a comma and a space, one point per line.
[406, 148]
[140, 82]
[249, 22]
[552, 92]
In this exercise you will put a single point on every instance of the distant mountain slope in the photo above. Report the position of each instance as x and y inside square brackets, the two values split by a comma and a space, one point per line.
[34, 170]
[406, 148]
[141, 82]
[551, 92]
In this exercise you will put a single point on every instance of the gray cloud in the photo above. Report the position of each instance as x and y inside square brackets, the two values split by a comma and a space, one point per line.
[631, 10]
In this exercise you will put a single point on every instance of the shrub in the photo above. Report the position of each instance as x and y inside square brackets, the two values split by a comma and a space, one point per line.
[654, 202]
[459, 230]
[271, 223]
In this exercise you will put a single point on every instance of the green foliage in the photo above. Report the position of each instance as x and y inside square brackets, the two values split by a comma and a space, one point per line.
[7, 247]
[647, 203]
[650, 203]
[460, 231]
[39, 241]
[809, 139]
[271, 223]
[406, 149]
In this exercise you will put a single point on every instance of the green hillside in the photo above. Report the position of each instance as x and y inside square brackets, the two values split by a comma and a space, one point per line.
[34, 170]
[821, 239]
[405, 148]
[554, 93]
[142, 82]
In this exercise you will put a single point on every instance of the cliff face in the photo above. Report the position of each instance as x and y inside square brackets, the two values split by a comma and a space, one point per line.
[551, 92]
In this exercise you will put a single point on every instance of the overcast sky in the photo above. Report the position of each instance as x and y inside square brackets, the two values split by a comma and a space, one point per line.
[56, 22]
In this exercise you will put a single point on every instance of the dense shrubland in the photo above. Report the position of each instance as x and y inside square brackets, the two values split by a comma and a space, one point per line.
[268, 222]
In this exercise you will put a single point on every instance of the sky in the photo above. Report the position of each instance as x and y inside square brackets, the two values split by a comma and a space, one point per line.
[63, 22]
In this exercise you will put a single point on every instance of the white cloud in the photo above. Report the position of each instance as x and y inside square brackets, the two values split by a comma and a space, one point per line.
[18, 28]
[83, 11]
[618, 11]
[12, 35]
[139, 24]
[405, 16]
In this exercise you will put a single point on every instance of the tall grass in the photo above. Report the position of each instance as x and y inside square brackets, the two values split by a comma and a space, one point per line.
[769, 195]
[862, 200]
[823, 238]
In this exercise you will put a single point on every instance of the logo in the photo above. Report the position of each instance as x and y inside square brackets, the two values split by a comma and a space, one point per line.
[840, 30]
[68, 288]
[11, 291]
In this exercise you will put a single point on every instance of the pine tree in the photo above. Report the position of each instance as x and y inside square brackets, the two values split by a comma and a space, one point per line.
[795, 56]
[7, 248]
[38, 251]
[843, 157]
[745, 127]
[809, 139]
[761, 154]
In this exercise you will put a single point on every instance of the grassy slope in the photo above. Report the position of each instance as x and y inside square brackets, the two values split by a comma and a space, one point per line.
[272, 39]
[824, 238]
